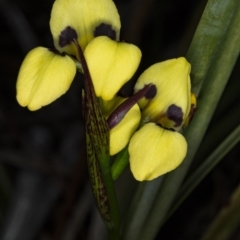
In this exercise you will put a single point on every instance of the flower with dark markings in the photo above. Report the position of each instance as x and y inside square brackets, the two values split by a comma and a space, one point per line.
[157, 147]
[163, 91]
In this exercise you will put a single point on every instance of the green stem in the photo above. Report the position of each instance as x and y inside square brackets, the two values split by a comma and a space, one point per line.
[140, 207]
[120, 163]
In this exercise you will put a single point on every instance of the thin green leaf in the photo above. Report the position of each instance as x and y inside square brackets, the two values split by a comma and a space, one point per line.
[207, 39]
[140, 207]
[193, 181]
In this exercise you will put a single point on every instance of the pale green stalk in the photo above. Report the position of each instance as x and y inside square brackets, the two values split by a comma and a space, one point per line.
[141, 205]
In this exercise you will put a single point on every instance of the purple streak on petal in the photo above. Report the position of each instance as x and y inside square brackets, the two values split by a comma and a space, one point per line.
[119, 113]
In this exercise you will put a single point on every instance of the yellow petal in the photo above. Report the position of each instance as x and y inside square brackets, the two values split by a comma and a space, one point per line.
[155, 151]
[111, 64]
[88, 18]
[170, 99]
[122, 132]
[43, 77]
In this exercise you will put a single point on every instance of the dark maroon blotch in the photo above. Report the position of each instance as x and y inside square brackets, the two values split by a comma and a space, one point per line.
[67, 36]
[105, 30]
[151, 93]
[175, 114]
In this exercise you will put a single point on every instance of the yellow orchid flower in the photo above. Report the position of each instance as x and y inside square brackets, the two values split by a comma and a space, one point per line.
[122, 132]
[158, 147]
[155, 151]
[43, 77]
[111, 64]
[168, 102]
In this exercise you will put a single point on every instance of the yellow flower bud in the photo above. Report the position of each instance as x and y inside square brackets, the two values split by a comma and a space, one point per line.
[168, 101]
[155, 151]
[43, 77]
[111, 64]
[122, 132]
[83, 20]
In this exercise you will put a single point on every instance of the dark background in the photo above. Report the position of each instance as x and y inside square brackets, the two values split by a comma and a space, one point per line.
[44, 192]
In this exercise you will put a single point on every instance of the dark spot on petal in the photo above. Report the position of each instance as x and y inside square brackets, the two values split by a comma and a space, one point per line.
[55, 51]
[67, 36]
[151, 92]
[105, 30]
[175, 114]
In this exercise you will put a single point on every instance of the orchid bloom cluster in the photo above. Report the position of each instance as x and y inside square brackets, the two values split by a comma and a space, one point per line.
[150, 128]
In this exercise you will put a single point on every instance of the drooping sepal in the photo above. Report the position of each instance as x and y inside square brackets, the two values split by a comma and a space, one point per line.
[43, 77]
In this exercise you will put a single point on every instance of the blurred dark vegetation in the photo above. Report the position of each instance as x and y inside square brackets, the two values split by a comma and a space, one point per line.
[44, 192]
